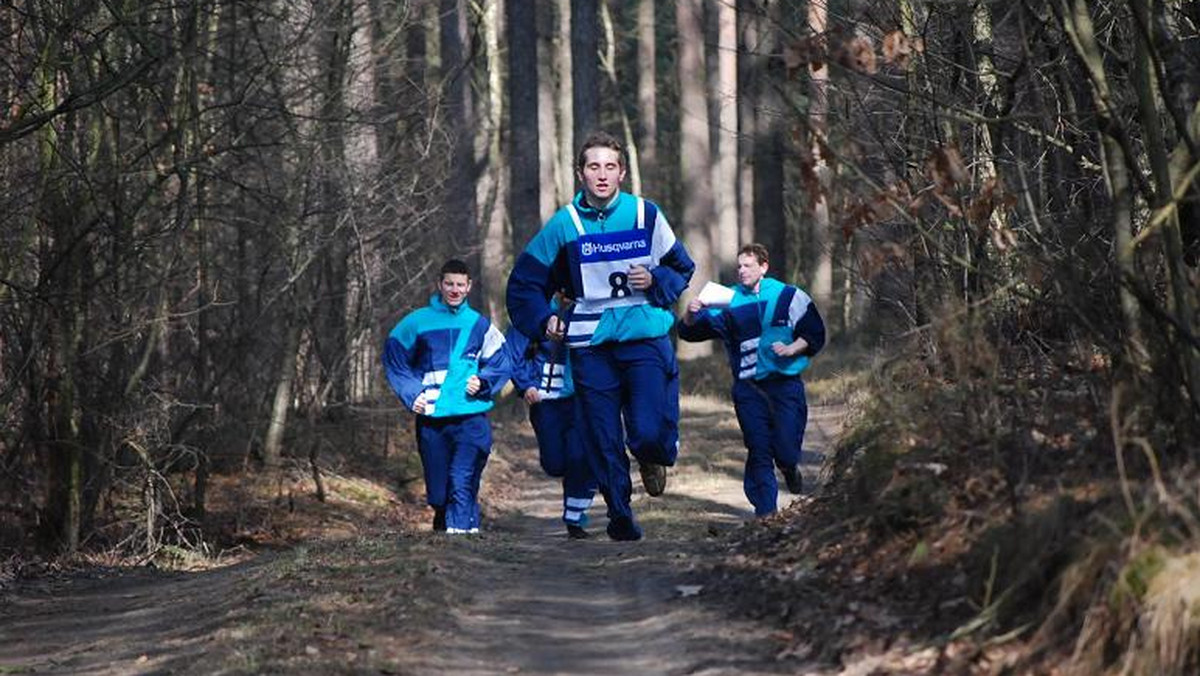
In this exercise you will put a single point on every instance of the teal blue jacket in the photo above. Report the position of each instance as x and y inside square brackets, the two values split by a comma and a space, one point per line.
[778, 313]
[435, 349]
[584, 252]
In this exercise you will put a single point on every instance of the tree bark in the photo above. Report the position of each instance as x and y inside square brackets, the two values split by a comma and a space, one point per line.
[492, 186]
[585, 71]
[609, 64]
[749, 83]
[1077, 23]
[647, 90]
[1182, 300]
[821, 284]
[725, 165]
[695, 156]
[524, 166]
[565, 58]
[460, 107]
[770, 144]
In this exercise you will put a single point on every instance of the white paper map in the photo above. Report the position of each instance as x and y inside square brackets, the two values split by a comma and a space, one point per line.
[715, 295]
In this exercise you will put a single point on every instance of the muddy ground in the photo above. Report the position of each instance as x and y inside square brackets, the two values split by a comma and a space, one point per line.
[399, 599]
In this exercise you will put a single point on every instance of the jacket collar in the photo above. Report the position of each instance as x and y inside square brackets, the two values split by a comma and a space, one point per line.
[436, 302]
[765, 285]
[588, 211]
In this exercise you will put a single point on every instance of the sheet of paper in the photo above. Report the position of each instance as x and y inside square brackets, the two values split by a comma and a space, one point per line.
[715, 295]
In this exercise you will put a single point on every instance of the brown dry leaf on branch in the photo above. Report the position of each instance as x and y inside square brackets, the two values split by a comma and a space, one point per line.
[945, 168]
[810, 50]
[858, 54]
[873, 260]
[899, 50]
[991, 198]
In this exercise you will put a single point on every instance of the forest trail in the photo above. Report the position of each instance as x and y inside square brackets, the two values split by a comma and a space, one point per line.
[519, 598]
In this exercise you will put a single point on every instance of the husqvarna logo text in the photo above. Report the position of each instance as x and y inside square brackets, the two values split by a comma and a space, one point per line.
[589, 249]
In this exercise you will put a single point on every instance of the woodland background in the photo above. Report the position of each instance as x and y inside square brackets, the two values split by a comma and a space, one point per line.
[213, 211]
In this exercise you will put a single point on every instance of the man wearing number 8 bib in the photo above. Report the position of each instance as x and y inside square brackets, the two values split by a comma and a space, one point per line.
[615, 254]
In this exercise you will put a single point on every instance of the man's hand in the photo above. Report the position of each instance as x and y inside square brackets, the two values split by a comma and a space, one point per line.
[640, 278]
[473, 385]
[789, 349]
[418, 406]
[555, 328]
[532, 396]
[693, 309]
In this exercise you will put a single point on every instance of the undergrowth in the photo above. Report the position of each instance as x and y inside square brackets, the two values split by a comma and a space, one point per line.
[976, 491]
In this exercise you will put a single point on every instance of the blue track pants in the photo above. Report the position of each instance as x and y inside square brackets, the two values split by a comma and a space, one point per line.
[772, 414]
[637, 381]
[561, 454]
[454, 452]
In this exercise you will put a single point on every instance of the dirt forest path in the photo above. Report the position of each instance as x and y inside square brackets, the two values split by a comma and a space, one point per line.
[519, 598]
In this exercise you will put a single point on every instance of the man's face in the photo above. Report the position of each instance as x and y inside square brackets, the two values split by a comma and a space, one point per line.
[601, 175]
[750, 271]
[454, 288]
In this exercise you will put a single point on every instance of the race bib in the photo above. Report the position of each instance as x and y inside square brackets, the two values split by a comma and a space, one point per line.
[604, 261]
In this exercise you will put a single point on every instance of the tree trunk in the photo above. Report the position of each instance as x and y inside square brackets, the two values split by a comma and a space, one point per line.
[1077, 23]
[585, 76]
[770, 143]
[460, 107]
[647, 90]
[548, 142]
[492, 190]
[925, 288]
[821, 284]
[749, 83]
[609, 63]
[524, 166]
[725, 165]
[695, 156]
[331, 328]
[281, 402]
[564, 57]
[1182, 301]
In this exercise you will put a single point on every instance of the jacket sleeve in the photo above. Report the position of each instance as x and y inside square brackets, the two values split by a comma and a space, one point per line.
[495, 368]
[708, 325]
[674, 269]
[533, 281]
[398, 358]
[516, 344]
[806, 322]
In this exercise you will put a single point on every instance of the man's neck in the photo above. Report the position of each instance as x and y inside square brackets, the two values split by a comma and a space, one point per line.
[753, 289]
[595, 202]
[452, 308]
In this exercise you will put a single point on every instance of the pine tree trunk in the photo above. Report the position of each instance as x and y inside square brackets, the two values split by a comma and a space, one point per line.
[695, 156]
[524, 166]
[564, 57]
[647, 90]
[821, 285]
[585, 71]
[725, 166]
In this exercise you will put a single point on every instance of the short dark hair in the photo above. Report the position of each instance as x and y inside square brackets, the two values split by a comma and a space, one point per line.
[757, 250]
[599, 139]
[454, 267]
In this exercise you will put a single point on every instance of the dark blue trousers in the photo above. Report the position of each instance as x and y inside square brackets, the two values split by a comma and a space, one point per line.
[454, 452]
[639, 382]
[561, 454]
[772, 414]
